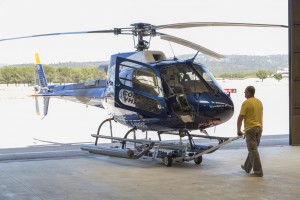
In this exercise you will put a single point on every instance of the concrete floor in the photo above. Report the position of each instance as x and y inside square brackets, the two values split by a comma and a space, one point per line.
[101, 177]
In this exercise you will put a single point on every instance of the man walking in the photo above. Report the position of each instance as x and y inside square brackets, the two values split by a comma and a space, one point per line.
[252, 115]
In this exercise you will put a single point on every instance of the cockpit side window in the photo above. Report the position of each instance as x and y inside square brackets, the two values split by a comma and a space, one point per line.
[203, 73]
[208, 77]
[181, 78]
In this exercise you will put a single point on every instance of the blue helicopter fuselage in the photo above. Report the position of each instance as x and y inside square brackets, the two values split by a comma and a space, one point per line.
[147, 91]
[164, 94]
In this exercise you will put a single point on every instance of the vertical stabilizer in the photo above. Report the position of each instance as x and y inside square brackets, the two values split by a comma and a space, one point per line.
[41, 73]
[43, 85]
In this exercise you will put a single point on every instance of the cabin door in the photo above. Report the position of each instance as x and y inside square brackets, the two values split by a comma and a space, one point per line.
[138, 89]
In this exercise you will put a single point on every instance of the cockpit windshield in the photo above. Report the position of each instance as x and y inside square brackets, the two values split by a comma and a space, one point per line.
[181, 78]
[208, 77]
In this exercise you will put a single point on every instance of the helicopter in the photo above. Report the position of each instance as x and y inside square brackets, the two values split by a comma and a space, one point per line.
[144, 90]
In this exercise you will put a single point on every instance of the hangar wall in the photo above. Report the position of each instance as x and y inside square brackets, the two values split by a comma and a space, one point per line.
[294, 62]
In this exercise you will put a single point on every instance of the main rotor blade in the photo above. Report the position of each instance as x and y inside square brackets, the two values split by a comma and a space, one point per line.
[205, 24]
[190, 45]
[63, 33]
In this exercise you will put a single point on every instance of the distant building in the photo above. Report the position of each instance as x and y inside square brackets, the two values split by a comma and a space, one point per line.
[284, 72]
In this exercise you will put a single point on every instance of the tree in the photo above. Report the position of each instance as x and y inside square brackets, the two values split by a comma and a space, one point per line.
[26, 75]
[87, 74]
[16, 75]
[63, 75]
[97, 74]
[262, 74]
[50, 73]
[6, 75]
[278, 76]
[76, 75]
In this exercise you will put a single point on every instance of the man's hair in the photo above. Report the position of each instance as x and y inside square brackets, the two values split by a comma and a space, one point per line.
[251, 90]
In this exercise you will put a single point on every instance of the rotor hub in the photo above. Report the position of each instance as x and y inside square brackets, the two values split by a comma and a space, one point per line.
[141, 30]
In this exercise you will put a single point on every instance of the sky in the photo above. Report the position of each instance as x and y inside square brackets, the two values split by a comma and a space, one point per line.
[30, 17]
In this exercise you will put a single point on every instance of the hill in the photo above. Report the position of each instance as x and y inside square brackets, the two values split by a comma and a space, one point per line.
[80, 64]
[241, 63]
[101, 64]
[232, 63]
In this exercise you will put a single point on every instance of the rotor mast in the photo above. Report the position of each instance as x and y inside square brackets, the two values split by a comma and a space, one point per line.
[141, 30]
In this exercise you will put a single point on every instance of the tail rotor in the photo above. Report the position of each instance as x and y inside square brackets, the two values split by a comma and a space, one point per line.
[36, 89]
[41, 86]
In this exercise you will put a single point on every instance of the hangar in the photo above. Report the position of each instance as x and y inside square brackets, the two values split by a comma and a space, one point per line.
[100, 177]
[294, 61]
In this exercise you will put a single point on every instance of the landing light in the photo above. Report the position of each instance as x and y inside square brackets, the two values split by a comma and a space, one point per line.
[159, 106]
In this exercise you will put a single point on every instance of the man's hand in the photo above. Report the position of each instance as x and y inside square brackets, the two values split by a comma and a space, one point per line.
[239, 125]
[240, 133]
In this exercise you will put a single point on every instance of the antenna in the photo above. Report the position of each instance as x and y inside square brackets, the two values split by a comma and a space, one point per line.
[192, 59]
[172, 50]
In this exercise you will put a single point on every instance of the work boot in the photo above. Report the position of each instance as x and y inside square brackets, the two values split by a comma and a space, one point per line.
[243, 167]
[256, 174]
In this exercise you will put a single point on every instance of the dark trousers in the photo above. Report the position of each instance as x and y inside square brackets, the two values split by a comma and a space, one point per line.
[253, 160]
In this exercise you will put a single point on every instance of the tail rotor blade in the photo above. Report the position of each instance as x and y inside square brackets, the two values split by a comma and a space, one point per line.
[37, 107]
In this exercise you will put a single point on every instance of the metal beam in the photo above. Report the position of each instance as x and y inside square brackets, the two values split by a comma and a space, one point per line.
[294, 68]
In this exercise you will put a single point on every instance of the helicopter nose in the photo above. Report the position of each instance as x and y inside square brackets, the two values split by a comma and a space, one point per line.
[199, 111]
[218, 108]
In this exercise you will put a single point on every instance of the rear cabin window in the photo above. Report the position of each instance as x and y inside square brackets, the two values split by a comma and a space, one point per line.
[145, 80]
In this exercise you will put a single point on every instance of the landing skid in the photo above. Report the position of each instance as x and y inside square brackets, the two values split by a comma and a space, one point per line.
[165, 151]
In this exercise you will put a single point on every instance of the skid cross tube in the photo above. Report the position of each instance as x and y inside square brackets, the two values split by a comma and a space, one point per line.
[187, 133]
[100, 126]
[125, 137]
